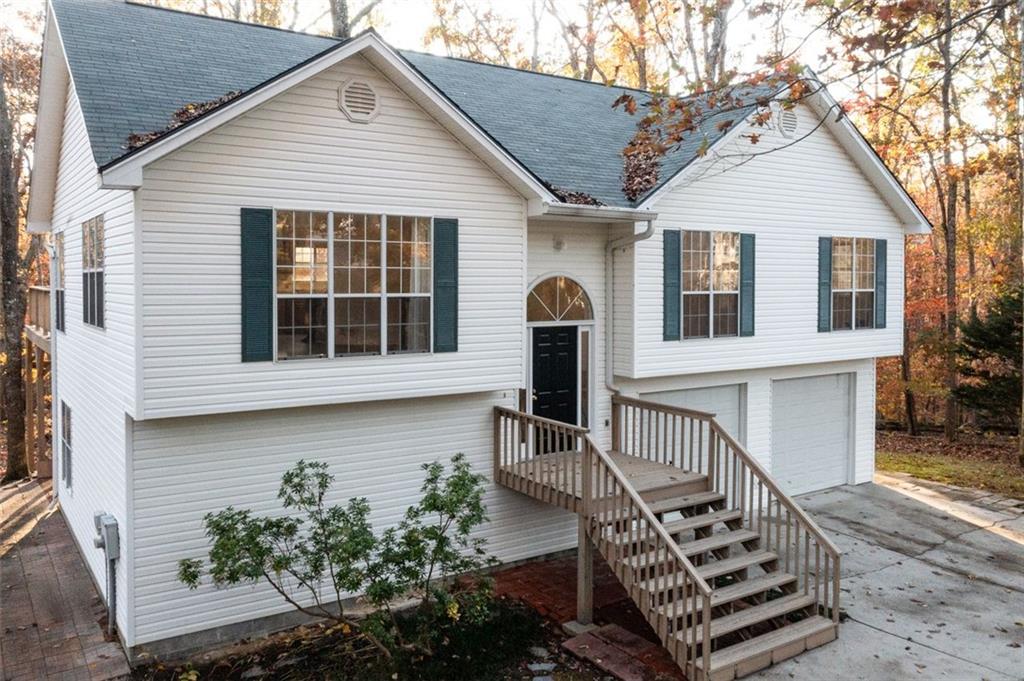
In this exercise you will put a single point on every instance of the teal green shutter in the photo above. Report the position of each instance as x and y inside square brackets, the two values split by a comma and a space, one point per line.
[881, 252]
[746, 284]
[672, 273]
[824, 283]
[257, 285]
[446, 285]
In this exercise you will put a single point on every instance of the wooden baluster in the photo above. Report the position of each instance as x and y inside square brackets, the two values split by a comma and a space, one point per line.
[497, 446]
[616, 426]
[817, 572]
[789, 525]
[835, 589]
[828, 591]
[807, 562]
[706, 621]
[760, 507]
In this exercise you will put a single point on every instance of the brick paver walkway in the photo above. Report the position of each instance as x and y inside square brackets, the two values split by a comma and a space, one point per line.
[50, 614]
[623, 645]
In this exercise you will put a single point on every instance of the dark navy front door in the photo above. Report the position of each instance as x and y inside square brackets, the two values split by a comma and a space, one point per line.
[555, 357]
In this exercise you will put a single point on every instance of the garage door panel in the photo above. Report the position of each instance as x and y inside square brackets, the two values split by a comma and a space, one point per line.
[725, 401]
[811, 432]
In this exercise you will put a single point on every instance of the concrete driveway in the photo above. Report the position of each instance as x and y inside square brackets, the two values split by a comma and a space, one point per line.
[933, 585]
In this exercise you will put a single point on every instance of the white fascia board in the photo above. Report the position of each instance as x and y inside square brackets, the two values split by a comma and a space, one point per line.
[53, 88]
[571, 212]
[127, 173]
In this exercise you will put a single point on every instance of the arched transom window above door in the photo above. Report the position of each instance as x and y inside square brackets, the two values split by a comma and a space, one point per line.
[558, 299]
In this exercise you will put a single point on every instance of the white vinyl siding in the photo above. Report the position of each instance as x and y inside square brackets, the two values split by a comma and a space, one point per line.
[186, 467]
[812, 431]
[95, 368]
[787, 198]
[299, 150]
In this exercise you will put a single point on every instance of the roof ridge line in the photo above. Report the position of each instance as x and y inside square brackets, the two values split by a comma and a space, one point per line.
[526, 71]
[240, 22]
[229, 20]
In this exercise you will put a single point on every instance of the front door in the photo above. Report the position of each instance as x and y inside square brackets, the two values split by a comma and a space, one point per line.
[555, 356]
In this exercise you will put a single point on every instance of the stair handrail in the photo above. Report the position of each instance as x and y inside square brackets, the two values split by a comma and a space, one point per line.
[642, 428]
[648, 515]
[773, 486]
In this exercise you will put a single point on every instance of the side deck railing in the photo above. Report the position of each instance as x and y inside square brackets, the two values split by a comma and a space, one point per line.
[618, 519]
[37, 309]
[695, 441]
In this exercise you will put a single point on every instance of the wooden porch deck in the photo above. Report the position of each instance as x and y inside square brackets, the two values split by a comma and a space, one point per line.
[557, 478]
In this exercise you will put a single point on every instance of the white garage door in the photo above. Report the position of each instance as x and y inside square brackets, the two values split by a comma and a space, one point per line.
[811, 432]
[724, 401]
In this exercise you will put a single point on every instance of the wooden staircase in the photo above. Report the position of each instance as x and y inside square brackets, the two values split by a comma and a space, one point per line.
[731, 574]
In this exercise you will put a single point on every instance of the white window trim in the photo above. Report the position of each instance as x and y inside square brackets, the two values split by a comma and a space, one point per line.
[330, 295]
[854, 290]
[92, 270]
[711, 292]
[66, 450]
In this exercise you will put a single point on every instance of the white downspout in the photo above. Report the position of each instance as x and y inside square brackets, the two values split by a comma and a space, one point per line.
[609, 293]
[55, 442]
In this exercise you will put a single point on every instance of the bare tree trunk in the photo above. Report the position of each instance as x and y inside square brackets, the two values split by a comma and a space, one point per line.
[535, 12]
[12, 293]
[909, 402]
[714, 56]
[952, 416]
[1020, 183]
[340, 27]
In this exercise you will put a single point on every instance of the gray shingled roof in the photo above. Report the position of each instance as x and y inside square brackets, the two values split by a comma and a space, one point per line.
[133, 66]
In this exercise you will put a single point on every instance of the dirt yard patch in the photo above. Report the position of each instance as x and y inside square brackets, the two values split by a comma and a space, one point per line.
[987, 462]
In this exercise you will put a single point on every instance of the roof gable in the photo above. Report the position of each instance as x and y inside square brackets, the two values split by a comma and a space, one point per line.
[133, 66]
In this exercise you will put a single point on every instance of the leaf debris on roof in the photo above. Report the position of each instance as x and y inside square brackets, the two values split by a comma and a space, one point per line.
[185, 114]
[575, 197]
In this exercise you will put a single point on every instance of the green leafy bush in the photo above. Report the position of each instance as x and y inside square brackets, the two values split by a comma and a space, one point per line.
[317, 553]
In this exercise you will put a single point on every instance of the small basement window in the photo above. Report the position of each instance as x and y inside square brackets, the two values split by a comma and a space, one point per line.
[358, 101]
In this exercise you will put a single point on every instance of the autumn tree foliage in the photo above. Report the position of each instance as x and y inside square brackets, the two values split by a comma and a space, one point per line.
[19, 68]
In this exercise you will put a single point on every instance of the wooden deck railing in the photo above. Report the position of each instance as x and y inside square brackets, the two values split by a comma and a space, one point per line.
[618, 519]
[695, 441]
[37, 312]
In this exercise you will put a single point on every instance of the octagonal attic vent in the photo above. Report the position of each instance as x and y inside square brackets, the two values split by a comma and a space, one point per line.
[788, 122]
[358, 101]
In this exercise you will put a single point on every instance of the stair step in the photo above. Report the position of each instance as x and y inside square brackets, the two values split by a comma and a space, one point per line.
[678, 526]
[734, 592]
[756, 614]
[730, 565]
[772, 647]
[676, 503]
[715, 541]
[688, 501]
[702, 520]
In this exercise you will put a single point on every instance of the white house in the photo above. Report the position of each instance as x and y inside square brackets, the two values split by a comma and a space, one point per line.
[358, 253]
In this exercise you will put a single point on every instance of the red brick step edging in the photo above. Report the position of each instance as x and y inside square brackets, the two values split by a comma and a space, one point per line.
[623, 645]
